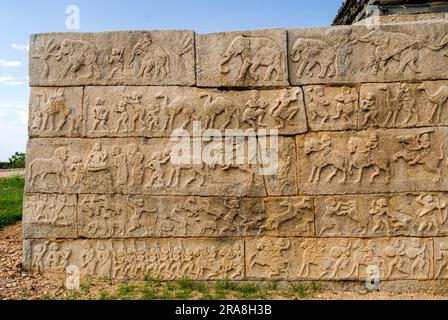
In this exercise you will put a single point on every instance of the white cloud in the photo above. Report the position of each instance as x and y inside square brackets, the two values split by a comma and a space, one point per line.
[12, 81]
[10, 63]
[20, 47]
[13, 127]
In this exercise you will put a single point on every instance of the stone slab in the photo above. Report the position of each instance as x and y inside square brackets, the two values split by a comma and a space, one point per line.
[156, 111]
[50, 216]
[382, 215]
[338, 259]
[153, 57]
[375, 161]
[356, 54]
[55, 112]
[134, 166]
[165, 259]
[242, 59]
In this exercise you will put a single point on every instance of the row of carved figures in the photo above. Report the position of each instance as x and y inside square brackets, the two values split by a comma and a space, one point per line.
[271, 257]
[326, 57]
[129, 114]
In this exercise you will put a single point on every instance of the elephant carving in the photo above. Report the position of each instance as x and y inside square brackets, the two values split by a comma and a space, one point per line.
[155, 60]
[254, 52]
[80, 54]
[393, 46]
[313, 52]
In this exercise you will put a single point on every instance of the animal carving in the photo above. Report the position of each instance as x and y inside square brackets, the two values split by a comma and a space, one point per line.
[254, 53]
[393, 46]
[417, 150]
[55, 106]
[182, 106]
[311, 53]
[437, 99]
[213, 108]
[321, 156]
[155, 61]
[55, 165]
[365, 154]
[80, 54]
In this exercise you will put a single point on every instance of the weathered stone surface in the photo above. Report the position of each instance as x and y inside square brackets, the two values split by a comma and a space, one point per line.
[382, 215]
[113, 58]
[324, 158]
[132, 166]
[403, 104]
[372, 161]
[240, 59]
[136, 216]
[50, 216]
[441, 258]
[289, 216]
[55, 112]
[331, 108]
[283, 180]
[356, 54]
[166, 259]
[157, 111]
[338, 259]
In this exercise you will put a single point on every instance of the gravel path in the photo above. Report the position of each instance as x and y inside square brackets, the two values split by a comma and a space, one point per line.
[7, 174]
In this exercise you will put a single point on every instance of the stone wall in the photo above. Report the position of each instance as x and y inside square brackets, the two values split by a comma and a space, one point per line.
[362, 174]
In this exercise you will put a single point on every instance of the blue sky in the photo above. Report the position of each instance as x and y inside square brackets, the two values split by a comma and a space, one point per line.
[19, 19]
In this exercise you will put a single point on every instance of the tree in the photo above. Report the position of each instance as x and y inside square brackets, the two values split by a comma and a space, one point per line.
[17, 160]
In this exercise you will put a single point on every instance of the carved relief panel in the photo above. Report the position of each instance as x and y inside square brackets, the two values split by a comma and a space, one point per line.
[113, 58]
[166, 259]
[288, 216]
[409, 214]
[137, 216]
[358, 54]
[55, 112]
[403, 104]
[338, 259]
[49, 216]
[157, 111]
[331, 108]
[372, 161]
[133, 166]
[237, 59]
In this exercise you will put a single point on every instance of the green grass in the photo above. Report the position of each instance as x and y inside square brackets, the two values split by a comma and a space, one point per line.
[11, 200]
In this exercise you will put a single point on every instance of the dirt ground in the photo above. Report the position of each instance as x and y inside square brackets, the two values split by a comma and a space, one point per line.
[17, 284]
[7, 174]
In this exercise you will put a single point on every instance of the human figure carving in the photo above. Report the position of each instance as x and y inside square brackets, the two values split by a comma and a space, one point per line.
[136, 159]
[100, 115]
[345, 104]
[155, 61]
[417, 149]
[369, 106]
[116, 60]
[364, 153]
[379, 212]
[120, 167]
[322, 155]
[318, 105]
[282, 111]
[97, 159]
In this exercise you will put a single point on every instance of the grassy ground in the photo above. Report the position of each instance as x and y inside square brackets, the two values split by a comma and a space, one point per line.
[152, 289]
[11, 197]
